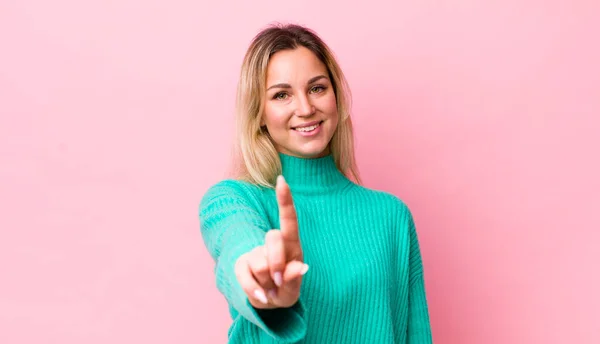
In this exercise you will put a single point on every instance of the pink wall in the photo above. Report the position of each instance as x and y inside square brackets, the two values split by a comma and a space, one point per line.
[116, 116]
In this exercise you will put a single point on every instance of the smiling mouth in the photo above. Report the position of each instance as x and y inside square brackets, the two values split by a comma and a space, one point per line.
[308, 128]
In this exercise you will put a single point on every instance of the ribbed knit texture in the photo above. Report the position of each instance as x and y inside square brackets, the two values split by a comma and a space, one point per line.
[365, 283]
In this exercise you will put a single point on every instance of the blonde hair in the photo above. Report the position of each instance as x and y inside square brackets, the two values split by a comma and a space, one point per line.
[257, 160]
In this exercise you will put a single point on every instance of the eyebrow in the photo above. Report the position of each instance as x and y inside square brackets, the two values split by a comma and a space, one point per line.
[283, 85]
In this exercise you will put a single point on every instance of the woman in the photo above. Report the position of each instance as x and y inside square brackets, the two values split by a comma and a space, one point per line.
[365, 283]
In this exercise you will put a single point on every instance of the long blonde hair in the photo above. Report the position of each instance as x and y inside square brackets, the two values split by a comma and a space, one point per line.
[257, 161]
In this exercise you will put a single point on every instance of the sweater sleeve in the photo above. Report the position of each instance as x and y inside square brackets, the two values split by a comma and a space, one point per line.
[233, 223]
[419, 329]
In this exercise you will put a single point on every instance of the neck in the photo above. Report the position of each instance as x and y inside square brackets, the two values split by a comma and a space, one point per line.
[312, 174]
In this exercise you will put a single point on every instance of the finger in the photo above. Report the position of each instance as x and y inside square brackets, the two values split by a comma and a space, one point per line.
[256, 294]
[292, 276]
[288, 221]
[259, 266]
[289, 292]
[275, 255]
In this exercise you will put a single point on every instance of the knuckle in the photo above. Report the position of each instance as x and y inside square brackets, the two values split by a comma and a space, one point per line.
[263, 269]
[236, 271]
[260, 266]
[239, 265]
[244, 283]
[256, 251]
[272, 236]
[277, 259]
[248, 290]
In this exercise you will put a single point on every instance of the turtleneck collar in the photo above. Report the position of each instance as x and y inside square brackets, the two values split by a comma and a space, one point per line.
[312, 174]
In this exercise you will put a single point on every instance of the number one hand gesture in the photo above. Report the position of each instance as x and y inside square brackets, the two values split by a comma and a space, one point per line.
[271, 275]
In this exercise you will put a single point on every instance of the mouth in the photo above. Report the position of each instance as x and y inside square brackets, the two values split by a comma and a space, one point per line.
[308, 127]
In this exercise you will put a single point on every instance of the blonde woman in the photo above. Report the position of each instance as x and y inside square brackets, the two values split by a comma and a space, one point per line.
[335, 263]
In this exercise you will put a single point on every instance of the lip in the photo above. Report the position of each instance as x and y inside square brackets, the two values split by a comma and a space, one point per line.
[310, 133]
[306, 124]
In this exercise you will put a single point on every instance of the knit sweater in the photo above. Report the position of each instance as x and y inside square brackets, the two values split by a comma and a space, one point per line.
[365, 283]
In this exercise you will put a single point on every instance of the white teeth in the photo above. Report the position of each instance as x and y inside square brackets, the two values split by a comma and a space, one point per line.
[311, 128]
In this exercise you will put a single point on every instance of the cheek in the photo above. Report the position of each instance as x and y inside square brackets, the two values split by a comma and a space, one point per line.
[275, 118]
[329, 106]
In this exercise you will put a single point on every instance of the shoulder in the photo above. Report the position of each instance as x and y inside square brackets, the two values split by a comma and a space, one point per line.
[232, 186]
[389, 199]
[393, 205]
[230, 191]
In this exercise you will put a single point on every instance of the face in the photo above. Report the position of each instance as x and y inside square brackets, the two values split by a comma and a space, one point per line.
[300, 105]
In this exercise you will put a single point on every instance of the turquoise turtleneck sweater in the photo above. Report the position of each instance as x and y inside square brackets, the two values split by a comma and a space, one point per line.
[365, 283]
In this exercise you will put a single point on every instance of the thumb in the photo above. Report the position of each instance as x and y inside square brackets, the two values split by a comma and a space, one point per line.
[292, 276]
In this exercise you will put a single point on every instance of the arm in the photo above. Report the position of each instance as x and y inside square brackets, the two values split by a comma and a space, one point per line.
[231, 225]
[419, 330]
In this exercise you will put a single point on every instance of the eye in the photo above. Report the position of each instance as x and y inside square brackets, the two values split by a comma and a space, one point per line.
[317, 89]
[280, 96]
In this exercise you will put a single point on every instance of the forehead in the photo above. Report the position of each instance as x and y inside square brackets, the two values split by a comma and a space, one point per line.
[297, 65]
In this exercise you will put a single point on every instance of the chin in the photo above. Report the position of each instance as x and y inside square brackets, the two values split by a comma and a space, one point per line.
[308, 150]
[312, 153]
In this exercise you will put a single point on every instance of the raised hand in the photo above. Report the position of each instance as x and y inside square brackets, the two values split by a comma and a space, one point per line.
[271, 275]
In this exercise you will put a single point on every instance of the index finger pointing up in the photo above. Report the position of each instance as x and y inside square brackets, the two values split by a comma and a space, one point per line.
[288, 221]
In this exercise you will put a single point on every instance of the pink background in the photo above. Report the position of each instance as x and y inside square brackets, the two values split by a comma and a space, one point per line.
[117, 115]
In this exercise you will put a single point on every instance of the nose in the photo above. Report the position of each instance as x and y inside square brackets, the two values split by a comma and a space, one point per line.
[304, 107]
